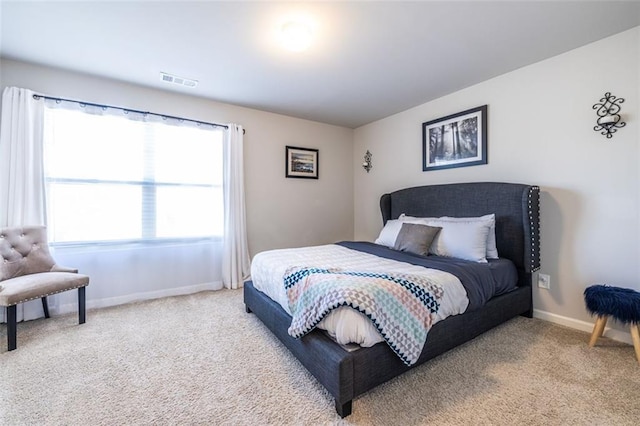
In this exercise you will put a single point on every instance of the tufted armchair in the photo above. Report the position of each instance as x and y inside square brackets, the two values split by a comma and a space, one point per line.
[27, 272]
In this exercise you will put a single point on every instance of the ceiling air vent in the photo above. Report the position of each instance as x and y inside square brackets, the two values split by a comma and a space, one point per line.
[181, 81]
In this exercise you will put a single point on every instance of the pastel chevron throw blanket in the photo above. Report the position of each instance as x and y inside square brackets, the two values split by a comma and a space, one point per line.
[401, 306]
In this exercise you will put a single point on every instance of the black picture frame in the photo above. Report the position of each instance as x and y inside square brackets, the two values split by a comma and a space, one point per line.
[302, 163]
[457, 140]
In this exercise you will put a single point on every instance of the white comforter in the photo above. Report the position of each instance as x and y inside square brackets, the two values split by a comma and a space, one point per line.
[346, 325]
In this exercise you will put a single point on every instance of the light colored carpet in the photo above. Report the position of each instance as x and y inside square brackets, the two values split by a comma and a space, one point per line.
[200, 359]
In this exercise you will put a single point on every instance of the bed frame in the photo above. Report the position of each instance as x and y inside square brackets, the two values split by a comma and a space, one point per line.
[347, 375]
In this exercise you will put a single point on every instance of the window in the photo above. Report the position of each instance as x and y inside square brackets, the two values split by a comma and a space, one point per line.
[113, 178]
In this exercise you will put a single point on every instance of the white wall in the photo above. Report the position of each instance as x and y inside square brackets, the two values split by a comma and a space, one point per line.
[540, 132]
[281, 212]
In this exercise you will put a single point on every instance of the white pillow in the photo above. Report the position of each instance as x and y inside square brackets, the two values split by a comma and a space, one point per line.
[490, 219]
[389, 233]
[460, 239]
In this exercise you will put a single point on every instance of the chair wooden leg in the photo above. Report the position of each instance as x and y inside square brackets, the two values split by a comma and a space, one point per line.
[45, 307]
[635, 335]
[82, 317]
[12, 328]
[598, 329]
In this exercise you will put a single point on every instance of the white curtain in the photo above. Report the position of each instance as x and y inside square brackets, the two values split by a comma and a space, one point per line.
[236, 264]
[22, 186]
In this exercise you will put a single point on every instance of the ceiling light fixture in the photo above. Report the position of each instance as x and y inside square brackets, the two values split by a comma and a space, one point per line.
[296, 36]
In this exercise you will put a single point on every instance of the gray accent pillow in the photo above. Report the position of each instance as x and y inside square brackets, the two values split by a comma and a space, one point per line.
[416, 238]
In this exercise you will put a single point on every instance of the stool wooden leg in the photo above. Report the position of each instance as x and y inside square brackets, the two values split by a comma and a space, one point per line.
[635, 335]
[598, 329]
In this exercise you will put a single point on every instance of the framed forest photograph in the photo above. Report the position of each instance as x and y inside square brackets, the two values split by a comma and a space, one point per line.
[457, 140]
[301, 163]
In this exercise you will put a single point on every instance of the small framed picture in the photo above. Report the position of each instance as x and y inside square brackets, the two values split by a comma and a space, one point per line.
[301, 163]
[457, 140]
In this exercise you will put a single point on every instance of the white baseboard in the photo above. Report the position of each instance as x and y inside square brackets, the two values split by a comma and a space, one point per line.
[137, 297]
[609, 332]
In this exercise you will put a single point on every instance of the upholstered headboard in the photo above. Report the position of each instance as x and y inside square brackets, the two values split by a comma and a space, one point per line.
[516, 207]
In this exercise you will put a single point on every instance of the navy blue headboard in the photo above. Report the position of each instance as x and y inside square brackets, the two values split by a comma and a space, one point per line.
[516, 206]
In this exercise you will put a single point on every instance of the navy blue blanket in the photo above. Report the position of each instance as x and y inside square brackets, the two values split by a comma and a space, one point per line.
[482, 281]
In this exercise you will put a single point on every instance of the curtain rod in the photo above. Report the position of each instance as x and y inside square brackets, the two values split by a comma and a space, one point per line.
[127, 110]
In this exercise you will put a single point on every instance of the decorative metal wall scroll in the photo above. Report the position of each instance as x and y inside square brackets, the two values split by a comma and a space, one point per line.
[608, 111]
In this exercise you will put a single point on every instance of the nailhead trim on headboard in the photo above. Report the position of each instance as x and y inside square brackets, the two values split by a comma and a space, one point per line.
[535, 229]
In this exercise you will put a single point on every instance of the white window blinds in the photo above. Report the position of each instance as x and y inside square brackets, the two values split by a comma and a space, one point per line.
[125, 177]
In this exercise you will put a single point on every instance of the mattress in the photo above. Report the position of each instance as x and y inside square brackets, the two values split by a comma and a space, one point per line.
[345, 324]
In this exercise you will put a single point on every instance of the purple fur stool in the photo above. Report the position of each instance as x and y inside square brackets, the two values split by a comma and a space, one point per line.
[623, 304]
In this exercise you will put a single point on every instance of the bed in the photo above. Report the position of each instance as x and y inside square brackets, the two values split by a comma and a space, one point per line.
[345, 373]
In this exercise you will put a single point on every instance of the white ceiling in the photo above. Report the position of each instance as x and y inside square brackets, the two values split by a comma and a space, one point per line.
[368, 60]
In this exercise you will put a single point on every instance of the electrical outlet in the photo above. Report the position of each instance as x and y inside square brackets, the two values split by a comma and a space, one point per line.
[544, 281]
